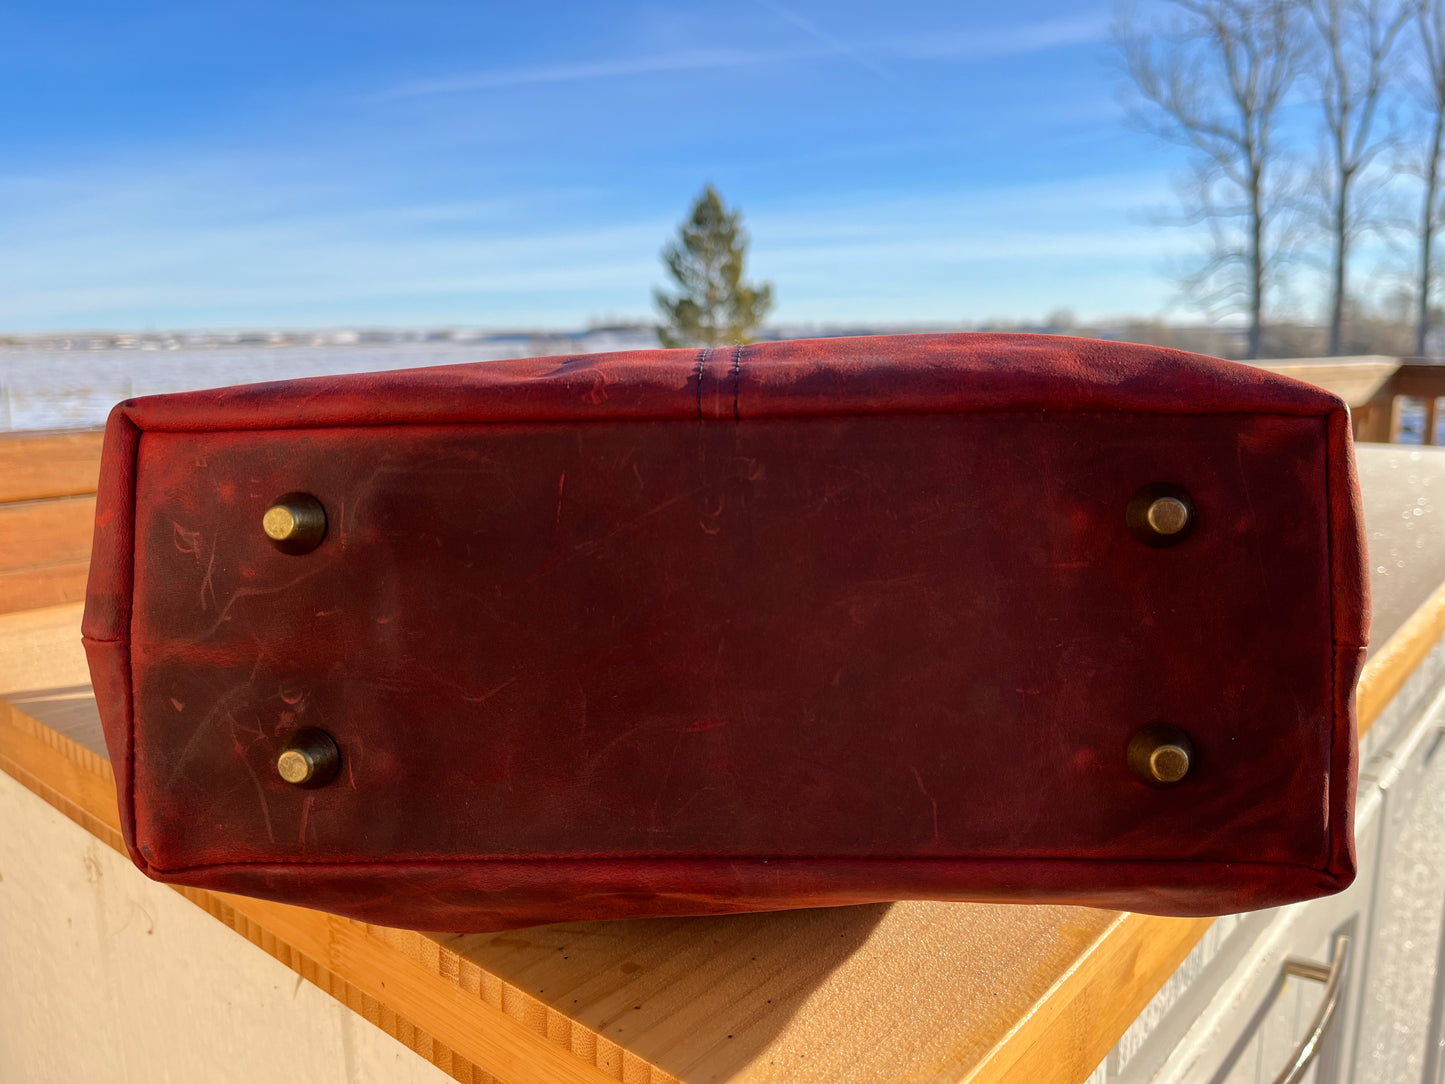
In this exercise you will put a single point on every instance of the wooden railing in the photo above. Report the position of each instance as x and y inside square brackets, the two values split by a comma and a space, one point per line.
[1376, 388]
[1379, 419]
[47, 515]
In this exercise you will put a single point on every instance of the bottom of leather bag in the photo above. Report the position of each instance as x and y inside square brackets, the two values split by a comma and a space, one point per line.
[490, 896]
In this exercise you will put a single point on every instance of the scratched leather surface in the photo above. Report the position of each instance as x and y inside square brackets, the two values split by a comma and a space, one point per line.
[699, 644]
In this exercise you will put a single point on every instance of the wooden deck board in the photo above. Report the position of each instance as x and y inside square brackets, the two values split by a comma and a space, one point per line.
[36, 466]
[46, 532]
[43, 585]
[47, 513]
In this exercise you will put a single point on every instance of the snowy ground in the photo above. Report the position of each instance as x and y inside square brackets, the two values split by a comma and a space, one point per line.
[49, 386]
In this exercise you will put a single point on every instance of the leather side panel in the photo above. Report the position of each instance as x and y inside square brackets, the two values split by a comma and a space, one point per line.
[873, 637]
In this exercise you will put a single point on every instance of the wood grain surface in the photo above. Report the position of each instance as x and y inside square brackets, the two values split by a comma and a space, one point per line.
[1397, 659]
[1356, 380]
[35, 466]
[47, 516]
[39, 533]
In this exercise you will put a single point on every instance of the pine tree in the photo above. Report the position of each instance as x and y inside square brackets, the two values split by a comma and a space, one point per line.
[712, 305]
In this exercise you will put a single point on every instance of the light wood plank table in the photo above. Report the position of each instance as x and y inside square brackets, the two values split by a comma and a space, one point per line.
[911, 991]
[47, 514]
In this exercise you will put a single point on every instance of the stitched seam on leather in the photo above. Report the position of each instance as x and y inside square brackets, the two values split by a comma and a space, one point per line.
[737, 376]
[587, 419]
[697, 370]
[130, 655]
[1334, 662]
[731, 859]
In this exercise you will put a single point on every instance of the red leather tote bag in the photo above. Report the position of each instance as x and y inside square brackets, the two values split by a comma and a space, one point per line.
[961, 617]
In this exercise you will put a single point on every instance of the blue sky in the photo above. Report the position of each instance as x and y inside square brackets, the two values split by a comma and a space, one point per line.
[295, 165]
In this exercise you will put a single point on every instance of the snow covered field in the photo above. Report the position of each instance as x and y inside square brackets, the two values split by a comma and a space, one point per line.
[50, 387]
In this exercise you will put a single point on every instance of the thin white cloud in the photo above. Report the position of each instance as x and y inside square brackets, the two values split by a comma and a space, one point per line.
[692, 60]
[983, 44]
[833, 44]
[1062, 207]
[1003, 41]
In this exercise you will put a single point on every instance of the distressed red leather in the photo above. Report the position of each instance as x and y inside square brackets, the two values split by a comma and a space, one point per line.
[785, 625]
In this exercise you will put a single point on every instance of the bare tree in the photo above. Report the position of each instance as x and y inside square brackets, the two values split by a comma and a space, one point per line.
[1213, 78]
[1351, 68]
[1430, 19]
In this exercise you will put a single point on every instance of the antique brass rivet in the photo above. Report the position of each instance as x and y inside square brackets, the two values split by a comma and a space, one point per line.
[309, 759]
[295, 766]
[295, 523]
[1160, 755]
[1169, 763]
[1168, 515]
[1160, 515]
